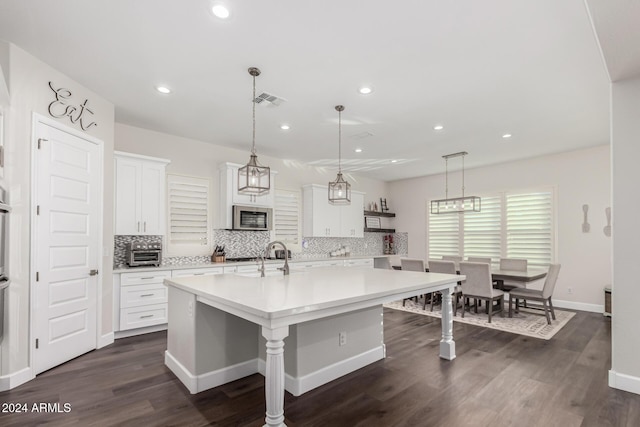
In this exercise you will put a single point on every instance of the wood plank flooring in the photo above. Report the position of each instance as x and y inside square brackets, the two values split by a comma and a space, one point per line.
[497, 379]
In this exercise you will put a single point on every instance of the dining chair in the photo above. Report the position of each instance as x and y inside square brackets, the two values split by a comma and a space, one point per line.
[543, 296]
[514, 264]
[383, 263]
[479, 259]
[446, 267]
[478, 285]
[454, 258]
[411, 264]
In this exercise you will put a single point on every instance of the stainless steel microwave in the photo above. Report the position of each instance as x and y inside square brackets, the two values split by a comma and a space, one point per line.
[252, 218]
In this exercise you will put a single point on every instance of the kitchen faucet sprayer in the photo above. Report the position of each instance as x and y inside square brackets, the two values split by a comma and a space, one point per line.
[285, 268]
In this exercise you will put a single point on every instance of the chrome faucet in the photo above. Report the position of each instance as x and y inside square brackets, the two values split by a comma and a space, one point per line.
[261, 269]
[285, 268]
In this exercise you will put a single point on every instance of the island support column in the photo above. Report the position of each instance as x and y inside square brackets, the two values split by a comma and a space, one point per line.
[447, 344]
[274, 375]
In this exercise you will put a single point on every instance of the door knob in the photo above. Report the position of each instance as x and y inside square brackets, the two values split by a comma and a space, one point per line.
[93, 272]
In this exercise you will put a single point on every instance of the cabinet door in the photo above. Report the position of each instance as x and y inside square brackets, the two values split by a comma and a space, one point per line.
[321, 219]
[352, 217]
[152, 195]
[128, 175]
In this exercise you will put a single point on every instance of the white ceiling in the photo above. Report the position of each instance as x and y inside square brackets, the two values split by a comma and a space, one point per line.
[480, 68]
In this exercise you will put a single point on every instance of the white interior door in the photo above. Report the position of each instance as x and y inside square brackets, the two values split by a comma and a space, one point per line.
[68, 199]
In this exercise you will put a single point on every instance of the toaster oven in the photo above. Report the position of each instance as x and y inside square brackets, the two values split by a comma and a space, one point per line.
[141, 253]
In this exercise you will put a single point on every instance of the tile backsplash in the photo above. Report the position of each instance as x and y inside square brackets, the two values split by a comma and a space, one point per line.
[252, 244]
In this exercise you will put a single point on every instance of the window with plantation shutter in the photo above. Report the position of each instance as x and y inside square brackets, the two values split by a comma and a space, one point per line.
[483, 230]
[287, 216]
[189, 219]
[529, 227]
[514, 224]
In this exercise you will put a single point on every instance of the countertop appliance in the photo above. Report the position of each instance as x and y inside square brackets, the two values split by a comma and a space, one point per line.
[142, 253]
[252, 218]
[4, 241]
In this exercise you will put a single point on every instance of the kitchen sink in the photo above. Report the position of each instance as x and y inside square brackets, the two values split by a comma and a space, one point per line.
[269, 273]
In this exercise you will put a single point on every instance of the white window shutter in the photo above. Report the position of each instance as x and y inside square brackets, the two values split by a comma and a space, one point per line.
[287, 216]
[189, 219]
[482, 230]
[530, 227]
[443, 234]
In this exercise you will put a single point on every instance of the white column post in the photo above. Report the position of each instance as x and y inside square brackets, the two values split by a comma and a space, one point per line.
[274, 375]
[447, 344]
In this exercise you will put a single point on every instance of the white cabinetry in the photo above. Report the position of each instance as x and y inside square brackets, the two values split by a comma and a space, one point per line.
[143, 299]
[229, 195]
[322, 219]
[198, 272]
[139, 194]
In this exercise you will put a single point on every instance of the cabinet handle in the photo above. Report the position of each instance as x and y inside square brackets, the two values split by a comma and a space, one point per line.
[147, 295]
[198, 274]
[145, 227]
[147, 278]
[138, 229]
[147, 316]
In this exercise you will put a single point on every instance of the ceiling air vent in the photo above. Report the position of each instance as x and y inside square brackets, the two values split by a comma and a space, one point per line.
[362, 135]
[266, 99]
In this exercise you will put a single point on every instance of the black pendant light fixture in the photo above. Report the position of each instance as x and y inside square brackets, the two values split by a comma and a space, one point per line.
[254, 178]
[339, 190]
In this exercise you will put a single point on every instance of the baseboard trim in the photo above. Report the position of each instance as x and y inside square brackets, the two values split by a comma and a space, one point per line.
[301, 385]
[139, 331]
[594, 308]
[8, 382]
[197, 383]
[624, 382]
[106, 339]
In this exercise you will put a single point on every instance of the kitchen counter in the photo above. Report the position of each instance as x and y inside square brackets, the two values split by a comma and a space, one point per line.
[127, 269]
[215, 323]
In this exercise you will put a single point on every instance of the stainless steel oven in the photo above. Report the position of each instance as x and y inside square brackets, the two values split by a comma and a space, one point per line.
[252, 218]
[4, 240]
[141, 253]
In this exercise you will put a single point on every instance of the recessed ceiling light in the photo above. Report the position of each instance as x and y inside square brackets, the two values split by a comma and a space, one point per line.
[163, 89]
[285, 127]
[220, 11]
[365, 90]
[394, 161]
[438, 127]
[358, 150]
[506, 135]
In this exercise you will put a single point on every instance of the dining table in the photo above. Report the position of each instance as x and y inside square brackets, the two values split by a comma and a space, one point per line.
[498, 275]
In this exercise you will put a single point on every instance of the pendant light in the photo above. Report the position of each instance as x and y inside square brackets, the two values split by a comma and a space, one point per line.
[253, 178]
[339, 190]
[457, 204]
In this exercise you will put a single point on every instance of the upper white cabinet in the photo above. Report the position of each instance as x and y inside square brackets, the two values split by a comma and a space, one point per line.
[229, 195]
[322, 219]
[140, 194]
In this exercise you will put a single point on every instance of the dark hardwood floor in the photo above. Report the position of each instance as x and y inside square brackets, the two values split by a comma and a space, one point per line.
[498, 379]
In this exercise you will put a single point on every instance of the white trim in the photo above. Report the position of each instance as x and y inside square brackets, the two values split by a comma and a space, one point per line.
[624, 382]
[582, 306]
[7, 382]
[139, 331]
[141, 157]
[300, 385]
[35, 120]
[105, 340]
[197, 383]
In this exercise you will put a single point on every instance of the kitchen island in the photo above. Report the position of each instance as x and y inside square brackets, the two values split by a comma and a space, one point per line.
[215, 323]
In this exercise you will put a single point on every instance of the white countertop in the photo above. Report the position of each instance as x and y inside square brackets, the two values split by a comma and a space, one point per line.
[305, 291]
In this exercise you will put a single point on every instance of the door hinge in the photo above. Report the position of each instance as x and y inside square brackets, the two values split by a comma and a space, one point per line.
[40, 141]
[37, 276]
[37, 343]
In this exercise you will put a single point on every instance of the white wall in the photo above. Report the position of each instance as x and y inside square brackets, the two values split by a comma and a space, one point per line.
[625, 147]
[30, 93]
[580, 177]
[198, 158]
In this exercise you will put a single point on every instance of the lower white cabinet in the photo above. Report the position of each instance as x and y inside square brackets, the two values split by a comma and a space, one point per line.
[143, 299]
[197, 272]
[368, 262]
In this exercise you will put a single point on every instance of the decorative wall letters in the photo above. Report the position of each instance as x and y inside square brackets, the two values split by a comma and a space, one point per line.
[61, 107]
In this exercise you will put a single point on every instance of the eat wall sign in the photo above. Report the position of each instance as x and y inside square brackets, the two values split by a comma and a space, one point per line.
[62, 106]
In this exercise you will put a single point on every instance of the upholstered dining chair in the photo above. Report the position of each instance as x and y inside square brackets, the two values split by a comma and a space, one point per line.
[411, 264]
[479, 259]
[478, 285]
[454, 258]
[446, 267]
[515, 264]
[383, 263]
[543, 296]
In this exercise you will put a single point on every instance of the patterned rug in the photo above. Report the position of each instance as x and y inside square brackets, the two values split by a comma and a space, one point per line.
[529, 322]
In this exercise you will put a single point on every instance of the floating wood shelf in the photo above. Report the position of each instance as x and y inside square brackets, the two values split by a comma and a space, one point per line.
[374, 213]
[380, 230]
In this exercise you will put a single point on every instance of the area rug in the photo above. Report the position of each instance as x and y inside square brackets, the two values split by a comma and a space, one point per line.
[529, 322]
